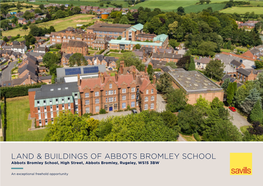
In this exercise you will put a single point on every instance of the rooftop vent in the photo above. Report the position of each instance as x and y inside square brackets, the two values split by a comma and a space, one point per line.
[66, 88]
[52, 89]
[59, 88]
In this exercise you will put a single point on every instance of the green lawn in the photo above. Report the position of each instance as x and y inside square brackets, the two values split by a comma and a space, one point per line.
[17, 123]
[59, 24]
[115, 55]
[225, 50]
[243, 10]
[20, 39]
[199, 8]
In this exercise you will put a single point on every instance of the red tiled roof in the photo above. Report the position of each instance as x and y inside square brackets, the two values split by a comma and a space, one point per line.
[145, 83]
[248, 54]
[240, 56]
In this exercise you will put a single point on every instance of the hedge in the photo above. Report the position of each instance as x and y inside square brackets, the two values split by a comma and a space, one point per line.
[11, 92]
[197, 137]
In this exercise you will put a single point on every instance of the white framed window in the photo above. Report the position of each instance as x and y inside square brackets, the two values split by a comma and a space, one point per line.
[123, 105]
[68, 99]
[39, 116]
[57, 107]
[76, 95]
[152, 91]
[51, 114]
[111, 99]
[86, 95]
[106, 92]
[152, 105]
[62, 100]
[123, 97]
[40, 123]
[114, 98]
[69, 106]
[152, 98]
[97, 108]
[124, 90]
[110, 86]
[114, 91]
[97, 101]
[44, 102]
[132, 89]
[86, 102]
[51, 108]
[50, 101]
[147, 91]
[146, 107]
[146, 99]
[97, 93]
[63, 107]
[38, 109]
[133, 96]
[87, 110]
[46, 121]
[110, 92]
[106, 100]
[37, 103]
[132, 104]
[56, 101]
[46, 115]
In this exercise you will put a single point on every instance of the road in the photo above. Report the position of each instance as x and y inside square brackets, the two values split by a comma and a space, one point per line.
[238, 120]
[161, 104]
[104, 116]
[6, 73]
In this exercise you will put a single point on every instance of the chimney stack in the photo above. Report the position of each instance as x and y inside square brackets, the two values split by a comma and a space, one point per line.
[121, 67]
[102, 78]
[154, 79]
[116, 76]
[134, 75]
[176, 52]
[78, 80]
[145, 69]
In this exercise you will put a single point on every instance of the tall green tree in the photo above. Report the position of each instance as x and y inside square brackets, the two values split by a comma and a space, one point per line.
[225, 84]
[215, 69]
[176, 100]
[130, 59]
[164, 84]
[77, 59]
[191, 64]
[124, 20]
[51, 61]
[256, 113]
[150, 71]
[230, 93]
[248, 104]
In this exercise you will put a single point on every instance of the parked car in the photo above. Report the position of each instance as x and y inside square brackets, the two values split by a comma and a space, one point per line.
[134, 111]
[233, 109]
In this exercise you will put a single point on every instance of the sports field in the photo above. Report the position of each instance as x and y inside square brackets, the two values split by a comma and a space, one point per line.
[18, 123]
[59, 24]
[243, 10]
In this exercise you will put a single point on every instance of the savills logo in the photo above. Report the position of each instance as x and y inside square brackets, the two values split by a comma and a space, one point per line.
[240, 163]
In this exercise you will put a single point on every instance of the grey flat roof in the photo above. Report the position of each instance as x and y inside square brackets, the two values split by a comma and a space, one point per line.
[194, 81]
[55, 90]
[61, 71]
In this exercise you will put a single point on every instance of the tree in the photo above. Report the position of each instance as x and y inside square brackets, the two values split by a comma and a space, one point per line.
[180, 10]
[173, 43]
[172, 29]
[51, 61]
[207, 48]
[41, 6]
[14, 20]
[28, 15]
[176, 100]
[130, 59]
[222, 131]
[225, 84]
[71, 127]
[60, 14]
[164, 84]
[52, 29]
[119, 38]
[256, 113]
[76, 10]
[191, 64]
[5, 39]
[259, 64]
[229, 44]
[53, 79]
[101, 5]
[170, 120]
[216, 103]
[137, 46]
[190, 119]
[150, 71]
[18, 6]
[203, 104]
[256, 129]
[24, 27]
[215, 69]
[77, 59]
[230, 93]
[248, 104]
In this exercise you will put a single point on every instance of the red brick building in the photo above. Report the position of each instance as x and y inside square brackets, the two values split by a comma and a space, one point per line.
[127, 88]
[75, 47]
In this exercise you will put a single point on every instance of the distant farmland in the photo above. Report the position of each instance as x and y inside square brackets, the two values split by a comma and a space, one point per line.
[243, 10]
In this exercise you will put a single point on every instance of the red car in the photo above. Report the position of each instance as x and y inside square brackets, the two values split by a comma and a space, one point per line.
[233, 109]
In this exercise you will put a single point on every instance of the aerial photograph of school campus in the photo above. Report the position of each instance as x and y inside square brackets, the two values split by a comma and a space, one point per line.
[131, 70]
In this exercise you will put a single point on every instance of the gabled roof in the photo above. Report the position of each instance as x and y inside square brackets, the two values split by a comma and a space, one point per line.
[235, 63]
[246, 72]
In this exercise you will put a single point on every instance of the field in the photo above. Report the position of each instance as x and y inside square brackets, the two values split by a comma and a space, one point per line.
[59, 24]
[243, 10]
[17, 123]
[199, 8]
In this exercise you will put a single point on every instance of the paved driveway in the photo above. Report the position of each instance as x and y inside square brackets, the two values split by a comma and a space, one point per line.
[104, 116]
[6, 73]
[238, 120]
[161, 104]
